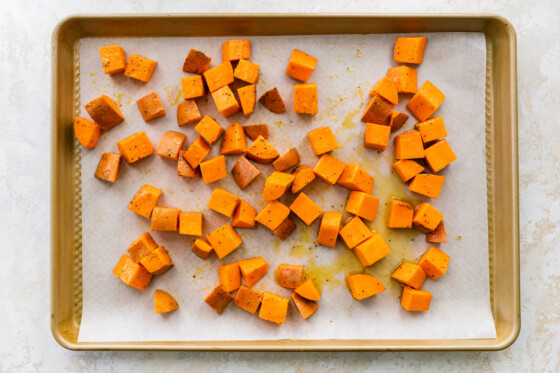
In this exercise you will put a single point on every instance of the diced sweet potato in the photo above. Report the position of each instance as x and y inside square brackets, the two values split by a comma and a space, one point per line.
[410, 274]
[372, 250]
[223, 202]
[187, 113]
[329, 169]
[157, 262]
[322, 140]
[273, 101]
[192, 87]
[377, 110]
[305, 307]
[287, 160]
[274, 308]
[135, 147]
[209, 129]
[386, 89]
[354, 232]
[408, 145]
[195, 153]
[364, 286]
[376, 136]
[276, 185]
[362, 204]
[303, 176]
[308, 290]
[213, 169]
[404, 78]
[104, 111]
[190, 223]
[113, 59]
[196, 62]
[225, 101]
[248, 99]
[432, 129]
[400, 214]
[289, 276]
[201, 248]
[434, 262]
[150, 107]
[141, 247]
[437, 235]
[261, 151]
[224, 240]
[132, 273]
[247, 71]
[253, 131]
[273, 214]
[244, 215]
[439, 155]
[248, 299]
[301, 65]
[229, 276]
[305, 99]
[328, 231]
[218, 299]
[165, 219]
[219, 76]
[164, 302]
[355, 177]
[426, 217]
[427, 185]
[170, 144]
[407, 169]
[285, 229]
[252, 270]
[397, 120]
[426, 101]
[415, 300]
[87, 132]
[235, 50]
[144, 201]
[234, 140]
[244, 172]
[108, 167]
[306, 209]
[140, 68]
[410, 49]
[184, 169]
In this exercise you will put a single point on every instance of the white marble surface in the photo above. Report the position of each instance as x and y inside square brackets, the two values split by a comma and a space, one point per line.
[25, 340]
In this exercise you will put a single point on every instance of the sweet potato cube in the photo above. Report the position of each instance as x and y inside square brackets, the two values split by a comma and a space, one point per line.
[376, 136]
[287, 160]
[355, 177]
[408, 145]
[248, 299]
[407, 169]
[170, 145]
[386, 89]
[234, 140]
[308, 290]
[219, 76]
[235, 50]
[426, 217]
[410, 49]
[303, 175]
[377, 110]
[213, 169]
[410, 274]
[354, 232]
[372, 250]
[157, 262]
[229, 276]
[289, 276]
[140, 68]
[437, 235]
[201, 248]
[253, 131]
[426, 101]
[427, 185]
[135, 147]
[432, 129]
[244, 215]
[273, 214]
[165, 219]
[195, 153]
[132, 273]
[192, 87]
[87, 132]
[397, 120]
[184, 169]
[305, 307]
[322, 140]
[225, 101]
[276, 185]
[364, 286]
[223, 202]
[400, 214]
[274, 308]
[190, 223]
[104, 111]
[108, 167]
[415, 300]
[439, 155]
[434, 262]
[305, 99]
[218, 299]
[196, 62]
[141, 247]
[113, 59]
[248, 99]
[329, 169]
[362, 204]
[224, 240]
[328, 231]
[244, 172]
[150, 107]
[252, 270]
[187, 112]
[261, 151]
[273, 101]
[164, 302]
[301, 65]
[404, 78]
[306, 209]
[144, 201]
[285, 229]
[247, 71]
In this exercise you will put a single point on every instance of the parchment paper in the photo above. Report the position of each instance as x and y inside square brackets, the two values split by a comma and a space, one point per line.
[348, 67]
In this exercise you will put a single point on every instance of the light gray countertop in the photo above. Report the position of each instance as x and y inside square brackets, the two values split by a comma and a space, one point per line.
[26, 343]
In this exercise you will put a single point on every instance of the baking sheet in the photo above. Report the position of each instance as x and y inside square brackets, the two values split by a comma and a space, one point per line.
[349, 65]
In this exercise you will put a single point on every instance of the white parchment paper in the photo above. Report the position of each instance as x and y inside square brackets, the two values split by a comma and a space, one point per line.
[348, 67]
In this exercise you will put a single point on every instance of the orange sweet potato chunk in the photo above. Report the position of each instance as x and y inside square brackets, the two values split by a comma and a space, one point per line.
[187, 113]
[355, 177]
[329, 169]
[104, 111]
[252, 270]
[285, 229]
[372, 250]
[244, 172]
[229, 276]
[301, 65]
[305, 307]
[184, 169]
[244, 215]
[305, 99]
[274, 308]
[218, 299]
[397, 120]
[234, 140]
[247, 71]
[213, 169]
[322, 140]
[427, 185]
[362, 204]
[164, 302]
[426, 217]
[87, 132]
[306, 209]
[195, 153]
[303, 176]
[410, 274]
[407, 169]
[192, 87]
[261, 151]
[190, 223]
[404, 78]
[276, 185]
[400, 214]
[248, 99]
[432, 129]
[364, 286]
[165, 219]
[219, 76]
[408, 145]
[386, 89]
[145, 200]
[132, 273]
[426, 101]
[410, 49]
[150, 107]
[328, 230]
[377, 136]
[273, 101]
[224, 240]
[209, 129]
[248, 299]
[415, 300]
[201, 248]
[113, 59]
[140, 68]
[108, 167]
[157, 262]
[253, 131]
[141, 247]
[225, 101]
[135, 147]
[434, 262]
[439, 155]
[235, 50]
[377, 110]
[437, 235]
[308, 290]
[196, 62]
[354, 232]
[273, 214]
[223, 202]
[170, 145]
[289, 276]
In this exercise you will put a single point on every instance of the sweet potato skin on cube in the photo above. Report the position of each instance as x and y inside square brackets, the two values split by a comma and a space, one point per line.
[105, 112]
[218, 299]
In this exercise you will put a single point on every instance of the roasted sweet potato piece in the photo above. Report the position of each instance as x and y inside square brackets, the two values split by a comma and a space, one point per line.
[187, 112]
[289, 276]
[196, 62]
[253, 131]
[287, 160]
[164, 302]
[113, 59]
[218, 299]
[273, 101]
[150, 106]
[87, 132]
[244, 172]
[104, 111]
[108, 167]
[285, 229]
[261, 151]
